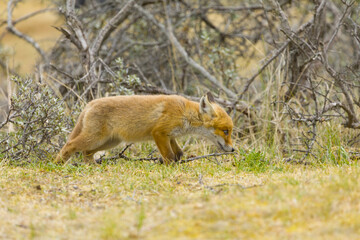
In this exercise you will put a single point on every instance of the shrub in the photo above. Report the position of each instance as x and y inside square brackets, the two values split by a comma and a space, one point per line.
[36, 124]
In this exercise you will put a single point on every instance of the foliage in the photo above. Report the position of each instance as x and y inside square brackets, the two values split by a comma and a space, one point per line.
[124, 83]
[37, 123]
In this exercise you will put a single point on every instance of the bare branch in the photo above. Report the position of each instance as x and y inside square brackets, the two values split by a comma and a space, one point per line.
[283, 18]
[11, 28]
[75, 24]
[317, 27]
[234, 8]
[204, 156]
[122, 156]
[352, 122]
[275, 54]
[68, 34]
[30, 15]
[240, 106]
[7, 68]
[241, 7]
[110, 26]
[338, 25]
[70, 7]
[184, 54]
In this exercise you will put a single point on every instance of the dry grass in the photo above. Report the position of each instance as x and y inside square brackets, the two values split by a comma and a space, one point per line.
[200, 200]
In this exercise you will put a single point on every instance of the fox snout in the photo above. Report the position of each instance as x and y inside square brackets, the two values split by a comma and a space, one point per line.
[225, 147]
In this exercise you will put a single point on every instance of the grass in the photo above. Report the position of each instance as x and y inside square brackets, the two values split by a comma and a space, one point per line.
[243, 197]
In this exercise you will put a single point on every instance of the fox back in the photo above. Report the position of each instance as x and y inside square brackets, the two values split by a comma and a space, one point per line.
[106, 122]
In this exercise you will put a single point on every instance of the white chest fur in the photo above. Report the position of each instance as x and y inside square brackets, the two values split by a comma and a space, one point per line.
[188, 129]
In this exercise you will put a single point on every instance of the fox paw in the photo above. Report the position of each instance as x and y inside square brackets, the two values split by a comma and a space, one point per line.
[166, 162]
[178, 156]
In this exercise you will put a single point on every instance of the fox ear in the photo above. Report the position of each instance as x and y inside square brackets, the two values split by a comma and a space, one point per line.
[210, 97]
[206, 106]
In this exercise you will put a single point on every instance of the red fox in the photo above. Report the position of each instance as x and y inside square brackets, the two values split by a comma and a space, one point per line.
[106, 122]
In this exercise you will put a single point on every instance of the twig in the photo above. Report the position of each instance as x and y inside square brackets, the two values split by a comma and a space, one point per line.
[11, 28]
[23, 18]
[241, 8]
[234, 8]
[170, 35]
[204, 156]
[6, 67]
[109, 27]
[122, 156]
[62, 72]
[240, 106]
[8, 117]
[353, 121]
[338, 25]
[274, 55]
[75, 25]
[69, 35]
[283, 18]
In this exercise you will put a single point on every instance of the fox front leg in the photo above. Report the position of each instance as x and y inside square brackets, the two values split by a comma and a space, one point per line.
[176, 149]
[163, 143]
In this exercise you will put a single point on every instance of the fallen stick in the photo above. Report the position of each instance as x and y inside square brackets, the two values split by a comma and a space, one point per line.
[122, 156]
[204, 156]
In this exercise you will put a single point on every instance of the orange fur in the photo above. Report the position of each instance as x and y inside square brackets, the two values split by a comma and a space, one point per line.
[106, 122]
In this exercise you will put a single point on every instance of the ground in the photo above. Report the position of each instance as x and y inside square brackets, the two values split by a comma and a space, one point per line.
[227, 199]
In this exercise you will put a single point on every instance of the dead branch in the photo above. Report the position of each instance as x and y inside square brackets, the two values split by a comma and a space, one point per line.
[353, 121]
[242, 7]
[76, 25]
[11, 28]
[204, 156]
[104, 33]
[240, 106]
[170, 35]
[26, 17]
[275, 54]
[122, 156]
[283, 18]
[338, 25]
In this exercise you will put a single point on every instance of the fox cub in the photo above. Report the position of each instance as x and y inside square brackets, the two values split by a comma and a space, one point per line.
[106, 122]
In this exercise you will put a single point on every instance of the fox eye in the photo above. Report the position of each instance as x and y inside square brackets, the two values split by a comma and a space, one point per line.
[226, 132]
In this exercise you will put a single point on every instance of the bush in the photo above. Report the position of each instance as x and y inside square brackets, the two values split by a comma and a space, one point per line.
[36, 123]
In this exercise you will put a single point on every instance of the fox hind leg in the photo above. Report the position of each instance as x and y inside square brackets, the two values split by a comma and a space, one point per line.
[89, 145]
[110, 143]
[89, 156]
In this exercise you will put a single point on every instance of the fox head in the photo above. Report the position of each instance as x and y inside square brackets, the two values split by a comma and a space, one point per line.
[217, 123]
